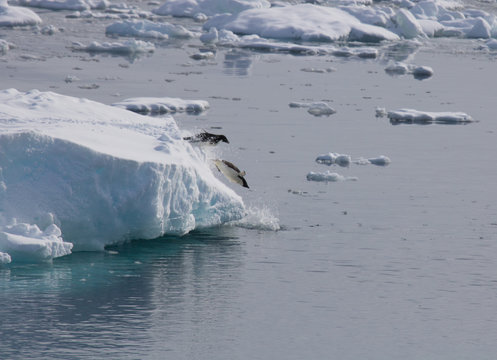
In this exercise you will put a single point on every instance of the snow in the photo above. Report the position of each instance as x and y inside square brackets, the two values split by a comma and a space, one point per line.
[17, 16]
[127, 47]
[301, 22]
[194, 8]
[151, 105]
[148, 29]
[416, 116]
[77, 172]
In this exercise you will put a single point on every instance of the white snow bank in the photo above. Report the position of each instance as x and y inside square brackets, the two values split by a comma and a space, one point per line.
[192, 8]
[301, 22]
[426, 117]
[318, 108]
[150, 105]
[99, 173]
[17, 16]
[328, 177]
[148, 29]
[127, 47]
[66, 4]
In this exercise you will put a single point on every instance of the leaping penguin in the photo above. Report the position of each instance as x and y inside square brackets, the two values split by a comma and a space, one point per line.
[205, 137]
[231, 172]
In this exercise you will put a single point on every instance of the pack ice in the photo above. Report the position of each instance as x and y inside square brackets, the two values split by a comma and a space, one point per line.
[74, 172]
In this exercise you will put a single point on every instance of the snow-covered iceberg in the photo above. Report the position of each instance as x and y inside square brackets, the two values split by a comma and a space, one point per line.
[74, 171]
[303, 22]
[17, 16]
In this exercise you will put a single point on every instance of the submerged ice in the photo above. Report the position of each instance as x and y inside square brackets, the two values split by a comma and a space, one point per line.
[77, 172]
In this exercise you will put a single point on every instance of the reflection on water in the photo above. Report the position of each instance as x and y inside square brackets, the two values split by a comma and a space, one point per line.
[237, 62]
[107, 304]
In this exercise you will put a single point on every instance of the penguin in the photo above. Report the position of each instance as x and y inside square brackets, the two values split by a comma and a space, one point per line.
[205, 137]
[231, 172]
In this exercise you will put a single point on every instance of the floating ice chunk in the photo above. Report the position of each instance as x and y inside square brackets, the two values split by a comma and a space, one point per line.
[425, 117]
[17, 16]
[400, 68]
[5, 258]
[320, 109]
[203, 55]
[148, 29]
[127, 47]
[154, 106]
[25, 242]
[480, 30]
[380, 112]
[329, 177]
[334, 159]
[301, 22]
[397, 68]
[492, 44]
[422, 72]
[107, 175]
[407, 24]
[66, 4]
[380, 160]
[5, 46]
[319, 71]
[191, 8]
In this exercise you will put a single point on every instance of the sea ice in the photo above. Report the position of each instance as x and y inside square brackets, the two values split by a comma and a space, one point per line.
[426, 117]
[400, 68]
[301, 22]
[127, 47]
[192, 8]
[329, 177]
[66, 4]
[148, 29]
[164, 105]
[17, 16]
[5, 46]
[74, 171]
[318, 108]
[344, 160]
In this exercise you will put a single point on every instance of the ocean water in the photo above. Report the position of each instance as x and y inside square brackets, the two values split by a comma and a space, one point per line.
[398, 264]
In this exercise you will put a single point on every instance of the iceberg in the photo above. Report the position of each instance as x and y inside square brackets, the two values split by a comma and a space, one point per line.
[411, 116]
[75, 172]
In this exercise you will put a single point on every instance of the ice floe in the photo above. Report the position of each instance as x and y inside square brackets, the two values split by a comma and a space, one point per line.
[400, 68]
[164, 105]
[17, 16]
[305, 22]
[148, 29]
[411, 116]
[125, 48]
[197, 8]
[318, 108]
[66, 4]
[5, 46]
[345, 160]
[74, 171]
[329, 176]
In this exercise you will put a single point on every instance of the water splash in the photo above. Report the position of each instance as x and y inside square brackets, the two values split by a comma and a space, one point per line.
[258, 218]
